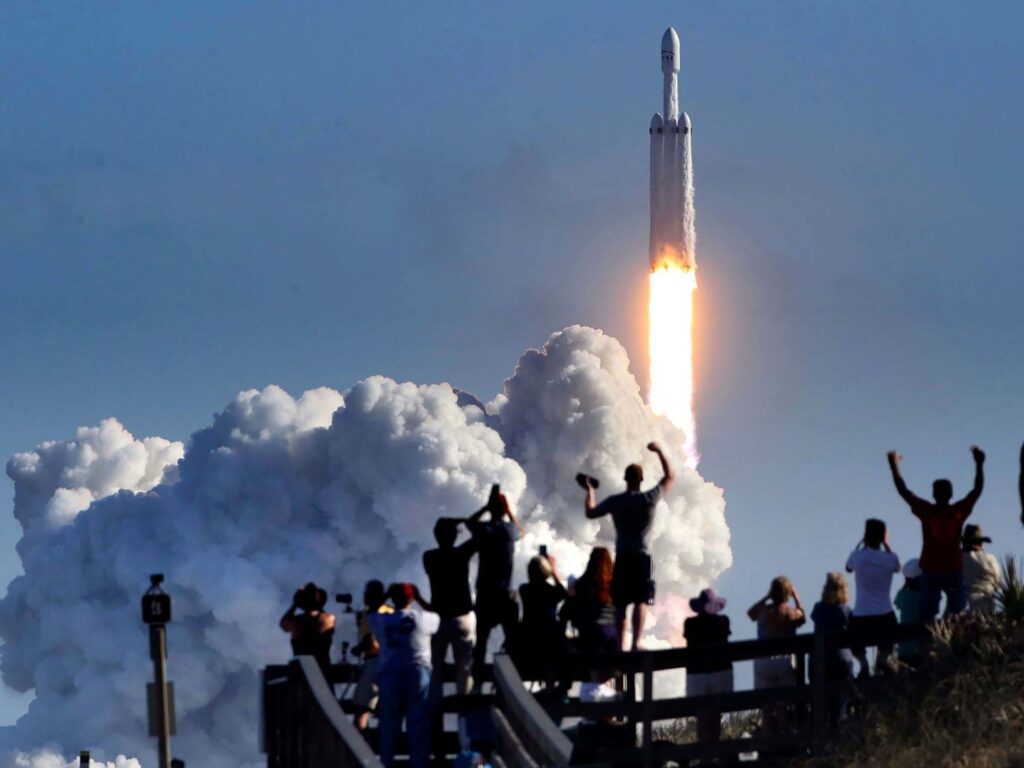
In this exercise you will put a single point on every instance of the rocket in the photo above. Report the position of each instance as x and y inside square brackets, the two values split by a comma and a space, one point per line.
[673, 231]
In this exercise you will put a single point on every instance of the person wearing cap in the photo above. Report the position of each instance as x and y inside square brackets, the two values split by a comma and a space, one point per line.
[908, 603]
[942, 524]
[708, 627]
[403, 674]
[981, 570]
[632, 512]
[873, 564]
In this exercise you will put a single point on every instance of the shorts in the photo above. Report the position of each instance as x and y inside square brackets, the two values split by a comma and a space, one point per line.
[774, 672]
[707, 683]
[633, 579]
[365, 695]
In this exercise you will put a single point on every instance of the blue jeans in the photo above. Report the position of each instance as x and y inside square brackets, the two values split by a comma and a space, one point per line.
[405, 693]
[933, 585]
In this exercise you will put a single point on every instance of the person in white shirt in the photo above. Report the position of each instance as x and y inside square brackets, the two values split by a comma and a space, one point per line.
[403, 674]
[982, 573]
[873, 564]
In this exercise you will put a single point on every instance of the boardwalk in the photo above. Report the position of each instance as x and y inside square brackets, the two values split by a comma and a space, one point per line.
[304, 726]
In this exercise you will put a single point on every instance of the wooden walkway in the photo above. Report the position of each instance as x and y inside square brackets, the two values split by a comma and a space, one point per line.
[304, 726]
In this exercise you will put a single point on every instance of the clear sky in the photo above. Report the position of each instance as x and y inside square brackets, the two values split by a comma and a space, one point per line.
[197, 198]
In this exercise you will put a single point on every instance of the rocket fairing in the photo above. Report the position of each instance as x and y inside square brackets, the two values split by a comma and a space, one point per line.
[673, 232]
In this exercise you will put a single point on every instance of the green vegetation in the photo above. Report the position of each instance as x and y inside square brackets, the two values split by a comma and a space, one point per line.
[963, 709]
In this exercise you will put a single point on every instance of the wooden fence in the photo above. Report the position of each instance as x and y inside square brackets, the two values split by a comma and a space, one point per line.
[536, 724]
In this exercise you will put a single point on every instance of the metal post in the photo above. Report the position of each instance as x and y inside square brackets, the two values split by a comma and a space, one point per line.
[84, 758]
[158, 652]
[820, 703]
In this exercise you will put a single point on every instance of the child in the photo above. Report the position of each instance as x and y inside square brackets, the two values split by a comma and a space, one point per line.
[908, 603]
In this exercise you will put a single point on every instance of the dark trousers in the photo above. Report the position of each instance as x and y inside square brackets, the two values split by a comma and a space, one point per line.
[933, 586]
[493, 611]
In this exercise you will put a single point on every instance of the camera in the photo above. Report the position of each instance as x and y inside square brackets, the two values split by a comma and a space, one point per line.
[543, 550]
[585, 481]
[344, 598]
[156, 605]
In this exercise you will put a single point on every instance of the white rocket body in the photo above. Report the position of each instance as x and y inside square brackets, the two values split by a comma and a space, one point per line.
[673, 232]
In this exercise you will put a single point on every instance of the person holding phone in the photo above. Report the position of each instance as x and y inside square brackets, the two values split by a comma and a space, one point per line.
[495, 541]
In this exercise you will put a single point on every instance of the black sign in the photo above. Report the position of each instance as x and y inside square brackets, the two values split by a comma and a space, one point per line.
[156, 608]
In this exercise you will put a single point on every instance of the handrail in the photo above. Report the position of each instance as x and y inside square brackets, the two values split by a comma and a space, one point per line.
[526, 716]
[742, 650]
[303, 724]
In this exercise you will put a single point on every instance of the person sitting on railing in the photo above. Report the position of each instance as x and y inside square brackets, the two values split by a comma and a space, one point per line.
[982, 573]
[495, 599]
[709, 627]
[365, 696]
[447, 568]
[873, 564]
[776, 618]
[632, 513]
[941, 526]
[543, 638]
[312, 631]
[403, 674]
[908, 603]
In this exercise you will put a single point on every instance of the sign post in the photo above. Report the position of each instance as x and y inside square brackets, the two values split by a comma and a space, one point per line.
[156, 612]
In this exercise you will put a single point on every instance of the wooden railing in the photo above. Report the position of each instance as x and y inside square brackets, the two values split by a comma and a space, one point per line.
[303, 724]
[535, 725]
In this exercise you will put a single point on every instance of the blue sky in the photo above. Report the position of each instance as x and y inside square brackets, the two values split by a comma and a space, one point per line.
[202, 197]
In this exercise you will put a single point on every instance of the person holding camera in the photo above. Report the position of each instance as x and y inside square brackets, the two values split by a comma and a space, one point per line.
[364, 699]
[312, 631]
[495, 601]
[403, 674]
[632, 512]
[873, 565]
[942, 525]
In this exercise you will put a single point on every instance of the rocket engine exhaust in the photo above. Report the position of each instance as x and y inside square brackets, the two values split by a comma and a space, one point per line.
[672, 257]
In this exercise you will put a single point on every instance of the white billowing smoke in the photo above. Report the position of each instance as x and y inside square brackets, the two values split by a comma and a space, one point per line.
[48, 759]
[330, 487]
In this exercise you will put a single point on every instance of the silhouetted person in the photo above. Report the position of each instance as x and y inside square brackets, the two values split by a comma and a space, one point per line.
[495, 600]
[908, 603]
[447, 568]
[830, 615]
[982, 573]
[776, 618]
[589, 606]
[542, 637]
[312, 631]
[403, 674]
[365, 696]
[941, 527]
[873, 564]
[707, 628]
[632, 513]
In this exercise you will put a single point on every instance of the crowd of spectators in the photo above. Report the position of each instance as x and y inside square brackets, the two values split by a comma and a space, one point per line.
[404, 644]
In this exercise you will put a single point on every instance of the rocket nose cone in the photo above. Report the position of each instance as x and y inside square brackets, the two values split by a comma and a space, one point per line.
[686, 121]
[670, 51]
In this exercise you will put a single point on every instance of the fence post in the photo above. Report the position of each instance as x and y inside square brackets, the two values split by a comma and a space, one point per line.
[647, 711]
[819, 691]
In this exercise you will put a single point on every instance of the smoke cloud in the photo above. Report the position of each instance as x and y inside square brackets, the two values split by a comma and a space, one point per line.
[332, 487]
